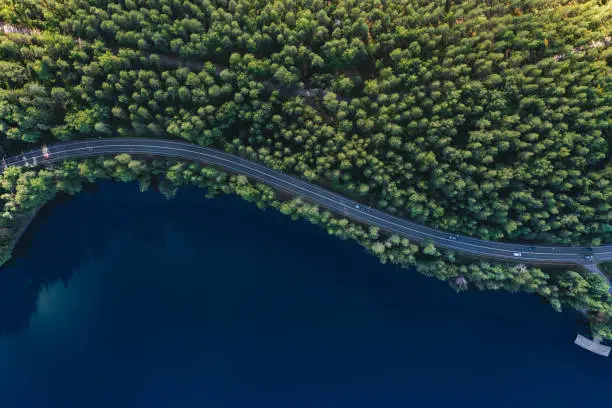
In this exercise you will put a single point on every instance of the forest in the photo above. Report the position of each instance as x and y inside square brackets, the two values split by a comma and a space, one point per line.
[486, 118]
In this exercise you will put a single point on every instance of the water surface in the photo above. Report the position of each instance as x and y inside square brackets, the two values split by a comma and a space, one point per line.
[214, 303]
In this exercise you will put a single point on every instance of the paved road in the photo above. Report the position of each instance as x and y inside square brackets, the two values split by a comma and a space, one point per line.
[537, 255]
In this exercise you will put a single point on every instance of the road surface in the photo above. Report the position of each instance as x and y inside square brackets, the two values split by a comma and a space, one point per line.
[560, 255]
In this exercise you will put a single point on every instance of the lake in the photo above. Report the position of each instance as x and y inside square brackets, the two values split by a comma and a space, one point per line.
[125, 299]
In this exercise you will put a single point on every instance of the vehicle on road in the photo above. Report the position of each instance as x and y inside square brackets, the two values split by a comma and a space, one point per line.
[395, 224]
[45, 151]
[531, 248]
[588, 257]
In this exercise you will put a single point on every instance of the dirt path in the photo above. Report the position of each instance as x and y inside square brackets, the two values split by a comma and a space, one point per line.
[595, 44]
[7, 28]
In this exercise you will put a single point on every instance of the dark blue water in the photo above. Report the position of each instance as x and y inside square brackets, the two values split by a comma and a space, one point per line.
[214, 303]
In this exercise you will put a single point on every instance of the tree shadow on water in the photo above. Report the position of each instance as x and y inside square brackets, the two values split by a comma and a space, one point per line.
[22, 278]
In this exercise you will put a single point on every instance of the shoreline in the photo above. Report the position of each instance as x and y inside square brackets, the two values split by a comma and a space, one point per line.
[34, 216]
[23, 228]
[47, 209]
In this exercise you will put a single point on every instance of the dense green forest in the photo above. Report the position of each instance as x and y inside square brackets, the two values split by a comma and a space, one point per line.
[488, 118]
[456, 114]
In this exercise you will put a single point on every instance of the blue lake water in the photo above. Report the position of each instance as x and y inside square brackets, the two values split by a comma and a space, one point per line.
[214, 303]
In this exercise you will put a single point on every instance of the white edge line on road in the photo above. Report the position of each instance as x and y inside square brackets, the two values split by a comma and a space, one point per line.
[298, 187]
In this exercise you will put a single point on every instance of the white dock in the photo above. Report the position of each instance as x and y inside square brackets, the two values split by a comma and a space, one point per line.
[593, 346]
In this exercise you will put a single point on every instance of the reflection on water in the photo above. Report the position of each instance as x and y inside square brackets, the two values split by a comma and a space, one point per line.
[127, 300]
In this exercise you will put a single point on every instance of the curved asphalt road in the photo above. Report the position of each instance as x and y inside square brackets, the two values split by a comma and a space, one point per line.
[336, 202]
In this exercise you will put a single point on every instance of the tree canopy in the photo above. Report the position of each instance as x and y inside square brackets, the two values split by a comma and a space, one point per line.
[456, 114]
